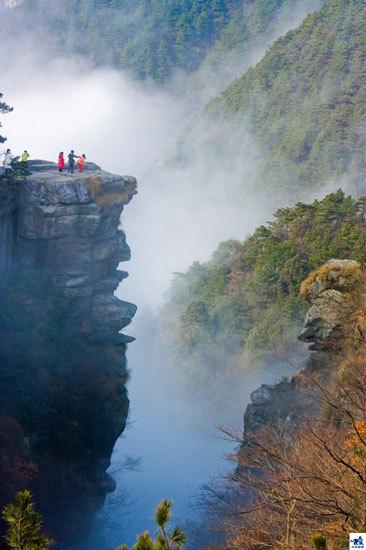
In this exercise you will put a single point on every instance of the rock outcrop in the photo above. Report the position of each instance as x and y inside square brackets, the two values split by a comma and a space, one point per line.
[334, 325]
[68, 225]
[335, 318]
[62, 356]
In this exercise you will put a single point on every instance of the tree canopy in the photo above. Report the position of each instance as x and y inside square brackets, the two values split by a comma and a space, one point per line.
[305, 101]
[4, 109]
[244, 303]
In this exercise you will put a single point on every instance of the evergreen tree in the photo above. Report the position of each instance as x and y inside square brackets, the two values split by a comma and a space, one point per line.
[4, 109]
[165, 540]
[319, 541]
[24, 525]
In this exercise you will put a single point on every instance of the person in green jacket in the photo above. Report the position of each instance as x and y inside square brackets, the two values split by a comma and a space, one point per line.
[24, 156]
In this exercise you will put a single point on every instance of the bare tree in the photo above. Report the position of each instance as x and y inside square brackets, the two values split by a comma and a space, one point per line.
[301, 485]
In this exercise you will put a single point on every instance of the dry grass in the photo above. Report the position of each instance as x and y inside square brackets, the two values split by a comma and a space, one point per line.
[104, 199]
[123, 196]
[94, 185]
[351, 269]
[107, 199]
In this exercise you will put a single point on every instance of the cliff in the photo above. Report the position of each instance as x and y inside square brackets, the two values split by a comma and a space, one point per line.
[63, 365]
[335, 325]
[7, 232]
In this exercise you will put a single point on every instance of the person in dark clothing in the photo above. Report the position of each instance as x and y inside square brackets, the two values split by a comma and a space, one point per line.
[72, 157]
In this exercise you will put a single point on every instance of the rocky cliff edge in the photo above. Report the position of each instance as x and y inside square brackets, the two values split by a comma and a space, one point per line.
[69, 225]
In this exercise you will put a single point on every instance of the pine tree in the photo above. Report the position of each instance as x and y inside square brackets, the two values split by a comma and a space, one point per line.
[164, 541]
[4, 109]
[319, 541]
[24, 525]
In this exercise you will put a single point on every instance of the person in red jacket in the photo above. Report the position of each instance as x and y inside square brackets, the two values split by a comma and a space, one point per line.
[61, 162]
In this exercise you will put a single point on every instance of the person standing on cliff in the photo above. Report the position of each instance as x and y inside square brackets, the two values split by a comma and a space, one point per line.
[81, 162]
[71, 158]
[24, 156]
[61, 161]
[8, 158]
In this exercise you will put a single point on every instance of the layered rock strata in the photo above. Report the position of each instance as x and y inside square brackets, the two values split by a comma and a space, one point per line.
[69, 225]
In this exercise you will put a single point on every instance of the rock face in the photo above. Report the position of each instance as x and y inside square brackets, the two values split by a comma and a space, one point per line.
[335, 318]
[62, 356]
[334, 324]
[6, 232]
[68, 225]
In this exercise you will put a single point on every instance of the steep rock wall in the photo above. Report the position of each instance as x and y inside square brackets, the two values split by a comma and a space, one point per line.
[62, 357]
[6, 231]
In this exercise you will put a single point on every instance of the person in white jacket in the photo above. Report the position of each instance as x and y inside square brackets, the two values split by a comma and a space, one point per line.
[8, 157]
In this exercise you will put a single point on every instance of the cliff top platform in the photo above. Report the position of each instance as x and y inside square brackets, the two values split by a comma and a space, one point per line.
[49, 186]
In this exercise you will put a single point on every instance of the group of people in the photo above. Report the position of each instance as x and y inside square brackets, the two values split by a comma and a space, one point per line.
[8, 159]
[80, 163]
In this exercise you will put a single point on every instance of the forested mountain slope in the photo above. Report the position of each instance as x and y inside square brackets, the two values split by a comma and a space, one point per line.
[304, 105]
[154, 38]
[243, 307]
[246, 36]
[150, 38]
[304, 102]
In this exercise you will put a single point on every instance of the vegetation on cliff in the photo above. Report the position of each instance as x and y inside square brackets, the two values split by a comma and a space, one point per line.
[18, 171]
[4, 109]
[299, 477]
[63, 383]
[244, 303]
